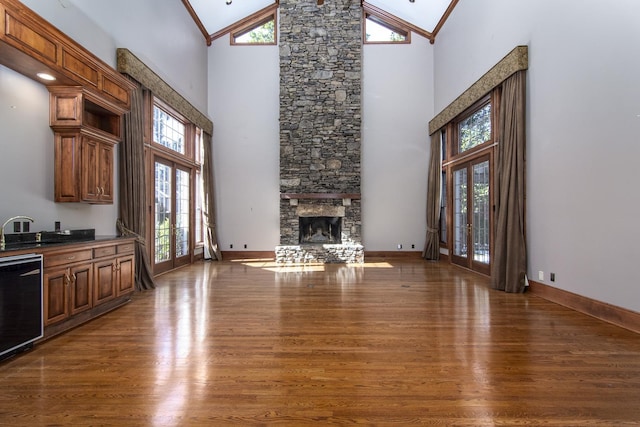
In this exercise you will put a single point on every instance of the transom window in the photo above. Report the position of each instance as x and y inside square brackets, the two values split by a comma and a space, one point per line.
[378, 30]
[262, 30]
[168, 131]
[474, 129]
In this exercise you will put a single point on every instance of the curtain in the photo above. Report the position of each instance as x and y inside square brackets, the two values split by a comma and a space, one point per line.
[209, 207]
[132, 220]
[432, 243]
[509, 264]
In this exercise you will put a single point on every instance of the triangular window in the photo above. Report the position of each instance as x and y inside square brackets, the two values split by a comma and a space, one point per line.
[259, 31]
[378, 29]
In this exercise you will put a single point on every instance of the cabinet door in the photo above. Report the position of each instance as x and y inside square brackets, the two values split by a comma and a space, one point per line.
[56, 297]
[97, 171]
[104, 170]
[90, 186]
[126, 274]
[67, 167]
[104, 283]
[81, 288]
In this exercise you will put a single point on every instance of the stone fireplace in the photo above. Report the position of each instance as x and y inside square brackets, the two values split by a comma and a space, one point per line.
[320, 127]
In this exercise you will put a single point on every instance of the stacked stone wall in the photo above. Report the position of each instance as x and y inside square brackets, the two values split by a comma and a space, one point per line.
[320, 120]
[320, 96]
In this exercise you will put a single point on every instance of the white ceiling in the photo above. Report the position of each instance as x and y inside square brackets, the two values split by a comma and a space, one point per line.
[216, 14]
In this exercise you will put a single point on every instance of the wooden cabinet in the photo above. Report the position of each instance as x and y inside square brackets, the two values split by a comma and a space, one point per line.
[68, 284]
[86, 130]
[67, 291]
[85, 281]
[97, 171]
[83, 167]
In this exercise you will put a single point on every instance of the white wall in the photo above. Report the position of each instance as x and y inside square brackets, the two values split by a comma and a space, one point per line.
[165, 36]
[244, 86]
[397, 106]
[583, 126]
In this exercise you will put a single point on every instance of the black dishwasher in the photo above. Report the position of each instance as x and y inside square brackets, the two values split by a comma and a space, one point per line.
[20, 303]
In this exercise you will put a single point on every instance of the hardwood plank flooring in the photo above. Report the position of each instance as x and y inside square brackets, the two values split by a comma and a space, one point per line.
[393, 342]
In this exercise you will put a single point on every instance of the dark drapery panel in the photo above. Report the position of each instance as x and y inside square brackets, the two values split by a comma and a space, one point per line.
[432, 243]
[132, 221]
[209, 205]
[509, 263]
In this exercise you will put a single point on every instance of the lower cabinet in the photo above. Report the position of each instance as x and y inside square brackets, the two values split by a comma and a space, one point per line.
[67, 291]
[86, 281]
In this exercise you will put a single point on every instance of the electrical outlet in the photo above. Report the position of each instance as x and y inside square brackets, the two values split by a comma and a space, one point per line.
[231, 246]
[413, 246]
[399, 245]
[245, 246]
[552, 277]
[540, 275]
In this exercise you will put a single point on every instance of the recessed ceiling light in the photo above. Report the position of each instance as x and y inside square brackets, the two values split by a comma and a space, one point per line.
[46, 76]
[228, 2]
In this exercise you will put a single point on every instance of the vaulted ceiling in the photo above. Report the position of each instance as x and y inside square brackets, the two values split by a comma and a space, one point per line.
[214, 16]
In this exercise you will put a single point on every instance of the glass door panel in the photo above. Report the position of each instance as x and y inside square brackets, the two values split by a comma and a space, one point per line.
[182, 218]
[172, 210]
[460, 222]
[481, 220]
[472, 215]
[163, 212]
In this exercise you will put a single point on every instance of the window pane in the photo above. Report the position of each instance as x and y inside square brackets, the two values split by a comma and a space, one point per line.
[376, 31]
[182, 212]
[163, 212]
[263, 33]
[475, 129]
[481, 212]
[199, 214]
[460, 212]
[168, 131]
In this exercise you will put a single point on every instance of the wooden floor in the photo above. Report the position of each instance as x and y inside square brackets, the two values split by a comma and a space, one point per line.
[389, 343]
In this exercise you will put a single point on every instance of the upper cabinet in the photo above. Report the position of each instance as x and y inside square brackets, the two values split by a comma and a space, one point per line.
[75, 107]
[30, 45]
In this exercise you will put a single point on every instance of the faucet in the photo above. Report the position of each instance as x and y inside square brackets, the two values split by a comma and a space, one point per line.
[7, 222]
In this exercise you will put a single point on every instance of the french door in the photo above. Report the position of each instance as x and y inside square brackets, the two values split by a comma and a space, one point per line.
[172, 219]
[472, 215]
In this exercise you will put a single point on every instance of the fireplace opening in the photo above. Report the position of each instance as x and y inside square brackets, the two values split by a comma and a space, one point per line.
[321, 229]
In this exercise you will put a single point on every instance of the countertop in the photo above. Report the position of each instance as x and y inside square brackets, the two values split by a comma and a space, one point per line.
[33, 246]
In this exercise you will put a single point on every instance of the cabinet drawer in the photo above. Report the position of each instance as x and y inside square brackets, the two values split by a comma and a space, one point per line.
[102, 252]
[126, 248]
[67, 257]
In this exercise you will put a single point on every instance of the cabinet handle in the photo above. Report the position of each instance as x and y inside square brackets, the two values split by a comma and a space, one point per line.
[73, 278]
[71, 257]
[67, 279]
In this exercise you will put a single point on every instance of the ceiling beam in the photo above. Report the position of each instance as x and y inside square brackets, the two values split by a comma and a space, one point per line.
[198, 22]
[442, 20]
